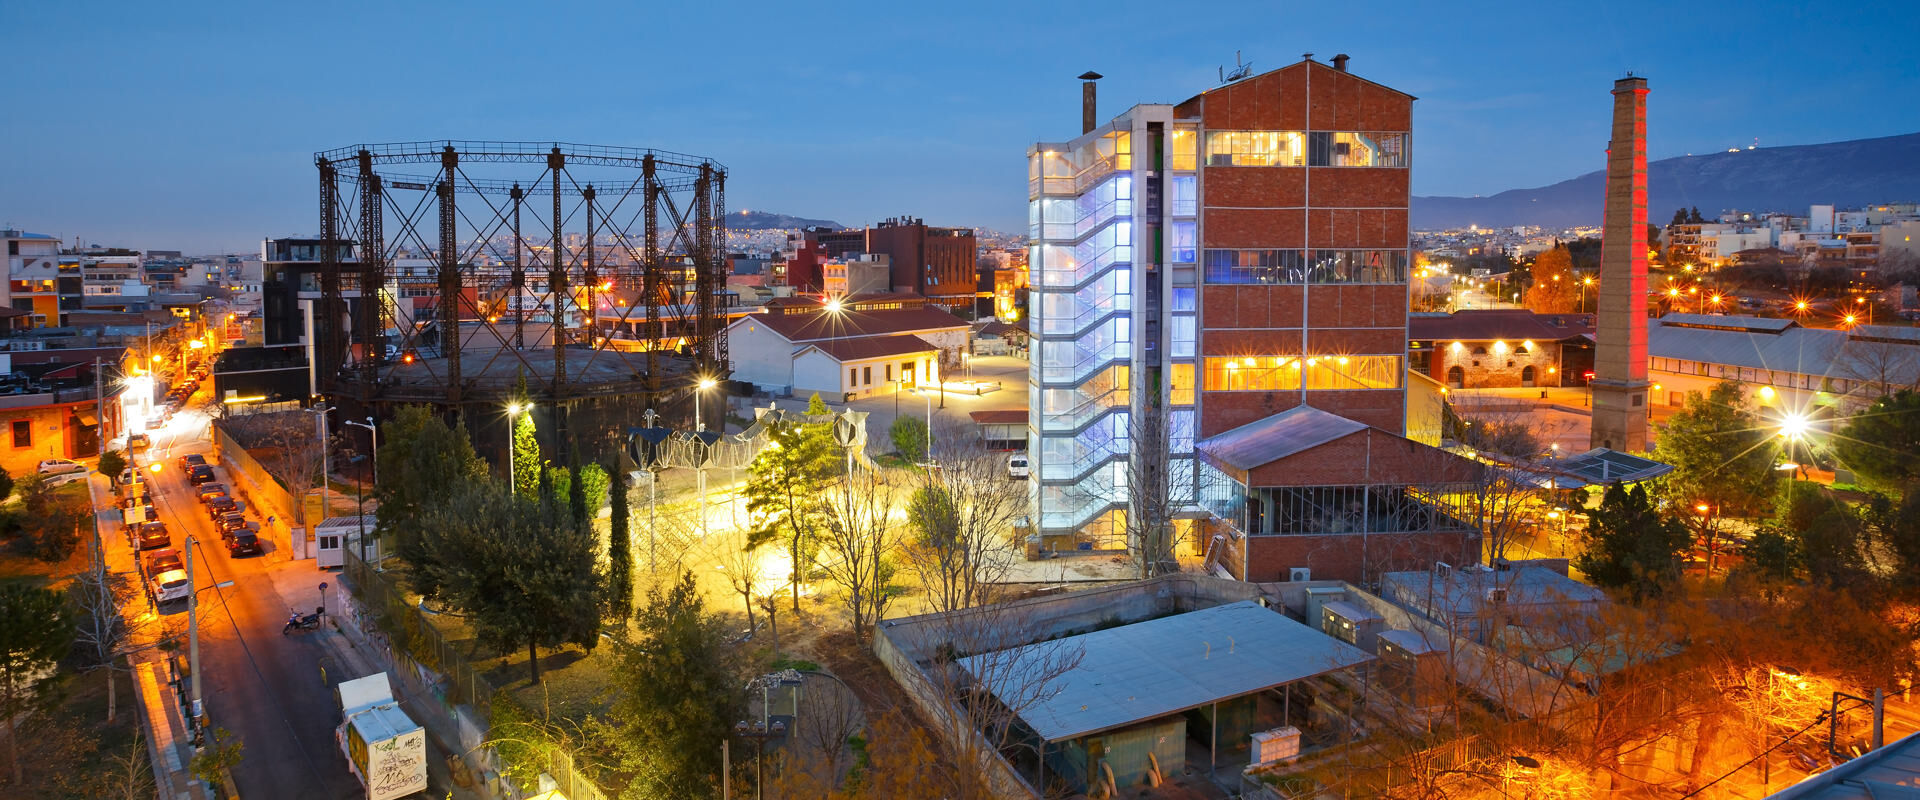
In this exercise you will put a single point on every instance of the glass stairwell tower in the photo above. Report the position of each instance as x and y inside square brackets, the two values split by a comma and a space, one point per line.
[1112, 219]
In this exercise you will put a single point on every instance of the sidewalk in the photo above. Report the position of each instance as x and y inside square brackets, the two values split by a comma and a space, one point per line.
[168, 744]
[354, 655]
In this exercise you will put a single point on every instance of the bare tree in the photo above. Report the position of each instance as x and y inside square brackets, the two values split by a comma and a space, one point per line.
[291, 448]
[740, 557]
[962, 510]
[828, 717]
[1880, 367]
[988, 666]
[859, 543]
[1154, 493]
[102, 632]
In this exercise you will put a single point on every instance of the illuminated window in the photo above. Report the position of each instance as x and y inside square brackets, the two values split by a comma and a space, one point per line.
[1254, 266]
[1358, 266]
[1185, 151]
[1183, 299]
[1286, 373]
[1183, 242]
[1181, 378]
[1255, 148]
[1341, 149]
[1185, 195]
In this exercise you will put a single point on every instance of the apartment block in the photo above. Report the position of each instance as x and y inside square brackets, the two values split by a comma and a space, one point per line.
[1219, 304]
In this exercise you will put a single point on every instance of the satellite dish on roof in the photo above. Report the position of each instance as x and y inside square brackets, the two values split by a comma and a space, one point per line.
[1240, 69]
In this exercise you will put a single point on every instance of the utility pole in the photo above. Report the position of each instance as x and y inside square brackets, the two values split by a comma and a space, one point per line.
[193, 638]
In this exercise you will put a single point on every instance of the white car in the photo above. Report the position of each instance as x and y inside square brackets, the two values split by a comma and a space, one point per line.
[169, 586]
[1017, 466]
[61, 466]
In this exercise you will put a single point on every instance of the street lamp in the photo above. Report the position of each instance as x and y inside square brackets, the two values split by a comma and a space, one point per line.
[700, 420]
[373, 460]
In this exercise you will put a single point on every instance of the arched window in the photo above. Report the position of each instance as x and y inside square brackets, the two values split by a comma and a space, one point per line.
[1479, 350]
[1526, 375]
[1456, 377]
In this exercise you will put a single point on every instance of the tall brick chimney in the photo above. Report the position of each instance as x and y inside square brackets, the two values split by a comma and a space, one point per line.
[1620, 355]
[1086, 100]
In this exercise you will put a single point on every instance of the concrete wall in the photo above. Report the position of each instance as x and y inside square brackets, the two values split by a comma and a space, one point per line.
[760, 356]
[250, 483]
[1497, 368]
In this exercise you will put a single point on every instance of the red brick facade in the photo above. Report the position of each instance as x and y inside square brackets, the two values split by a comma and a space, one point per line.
[1303, 208]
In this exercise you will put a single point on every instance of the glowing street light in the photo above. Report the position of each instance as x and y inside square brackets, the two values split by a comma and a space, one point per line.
[700, 420]
[1793, 426]
[514, 409]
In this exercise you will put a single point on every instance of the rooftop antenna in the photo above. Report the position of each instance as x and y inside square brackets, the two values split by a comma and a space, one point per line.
[1240, 69]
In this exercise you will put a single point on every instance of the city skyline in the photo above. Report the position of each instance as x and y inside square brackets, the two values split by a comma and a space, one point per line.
[194, 130]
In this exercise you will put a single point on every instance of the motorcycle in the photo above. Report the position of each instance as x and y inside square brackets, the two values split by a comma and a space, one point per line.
[300, 622]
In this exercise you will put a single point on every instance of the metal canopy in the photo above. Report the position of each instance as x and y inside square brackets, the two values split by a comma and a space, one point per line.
[1151, 669]
[1265, 441]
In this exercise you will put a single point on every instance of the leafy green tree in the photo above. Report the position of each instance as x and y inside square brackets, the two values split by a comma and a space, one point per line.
[1722, 456]
[786, 491]
[619, 550]
[679, 693]
[909, 435]
[52, 520]
[593, 484]
[521, 580]
[6, 484]
[1830, 548]
[526, 456]
[36, 629]
[422, 462]
[221, 755]
[1879, 443]
[1631, 546]
[1895, 527]
[112, 462]
[1771, 555]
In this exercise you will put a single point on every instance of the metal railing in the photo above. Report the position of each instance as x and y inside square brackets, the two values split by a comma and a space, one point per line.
[415, 637]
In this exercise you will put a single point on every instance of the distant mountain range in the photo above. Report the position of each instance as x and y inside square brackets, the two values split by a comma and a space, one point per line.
[764, 220]
[1846, 174]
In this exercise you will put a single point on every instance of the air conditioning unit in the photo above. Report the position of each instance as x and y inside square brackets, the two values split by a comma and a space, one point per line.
[1496, 594]
[1298, 574]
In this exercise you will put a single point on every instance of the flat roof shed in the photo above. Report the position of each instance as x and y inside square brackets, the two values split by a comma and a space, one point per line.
[1164, 666]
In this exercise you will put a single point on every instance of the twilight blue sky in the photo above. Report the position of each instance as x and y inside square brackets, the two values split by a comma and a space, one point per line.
[191, 125]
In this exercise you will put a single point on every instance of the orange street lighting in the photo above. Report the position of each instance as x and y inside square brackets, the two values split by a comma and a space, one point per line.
[1800, 306]
[155, 467]
[1702, 508]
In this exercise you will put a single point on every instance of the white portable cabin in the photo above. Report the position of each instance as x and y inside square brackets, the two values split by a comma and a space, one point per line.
[385, 748]
[331, 535]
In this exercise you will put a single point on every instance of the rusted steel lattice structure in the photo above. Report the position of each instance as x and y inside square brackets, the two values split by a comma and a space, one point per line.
[466, 268]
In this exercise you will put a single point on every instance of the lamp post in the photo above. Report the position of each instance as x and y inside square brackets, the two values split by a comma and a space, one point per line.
[373, 461]
[1584, 283]
[700, 420]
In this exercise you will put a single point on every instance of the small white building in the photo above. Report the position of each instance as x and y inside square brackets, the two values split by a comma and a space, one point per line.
[854, 347]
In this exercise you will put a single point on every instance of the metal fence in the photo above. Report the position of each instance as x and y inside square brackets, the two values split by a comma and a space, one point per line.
[413, 636]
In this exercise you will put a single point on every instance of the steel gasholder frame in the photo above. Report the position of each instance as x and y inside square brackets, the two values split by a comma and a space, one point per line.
[458, 312]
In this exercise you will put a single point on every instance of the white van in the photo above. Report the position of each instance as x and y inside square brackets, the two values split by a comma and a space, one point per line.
[1017, 466]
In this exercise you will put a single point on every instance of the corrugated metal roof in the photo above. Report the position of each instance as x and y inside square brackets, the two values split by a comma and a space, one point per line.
[1803, 351]
[1601, 466]
[1164, 666]
[871, 347]
[1889, 773]
[1268, 440]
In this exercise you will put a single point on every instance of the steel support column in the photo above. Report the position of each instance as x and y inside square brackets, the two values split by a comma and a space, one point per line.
[330, 318]
[517, 306]
[373, 275]
[450, 274]
[590, 310]
[650, 280]
[721, 269]
[557, 277]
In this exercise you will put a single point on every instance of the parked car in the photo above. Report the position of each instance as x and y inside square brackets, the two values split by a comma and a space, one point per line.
[221, 505]
[152, 535]
[206, 491]
[244, 543]
[131, 476]
[200, 474]
[170, 586]
[1017, 466]
[157, 421]
[191, 460]
[160, 561]
[230, 522]
[139, 441]
[61, 466]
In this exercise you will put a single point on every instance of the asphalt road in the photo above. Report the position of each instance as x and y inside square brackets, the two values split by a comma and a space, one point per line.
[263, 687]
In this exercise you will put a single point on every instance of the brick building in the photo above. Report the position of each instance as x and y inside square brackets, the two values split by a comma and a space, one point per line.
[1501, 348]
[940, 264]
[1231, 271]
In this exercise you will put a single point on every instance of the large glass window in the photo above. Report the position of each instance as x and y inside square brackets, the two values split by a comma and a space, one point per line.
[1183, 236]
[1181, 329]
[1344, 149]
[1185, 195]
[1358, 266]
[1286, 373]
[1254, 266]
[1186, 145]
[1183, 299]
[1255, 148]
[1180, 376]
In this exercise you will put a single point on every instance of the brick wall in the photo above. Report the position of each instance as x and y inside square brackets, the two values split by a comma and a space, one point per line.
[1358, 558]
[1494, 369]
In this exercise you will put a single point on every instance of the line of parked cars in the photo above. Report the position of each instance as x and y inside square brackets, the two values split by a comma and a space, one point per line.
[160, 564]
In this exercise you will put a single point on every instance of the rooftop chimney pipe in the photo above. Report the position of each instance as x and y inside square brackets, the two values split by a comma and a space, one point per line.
[1340, 62]
[1086, 100]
